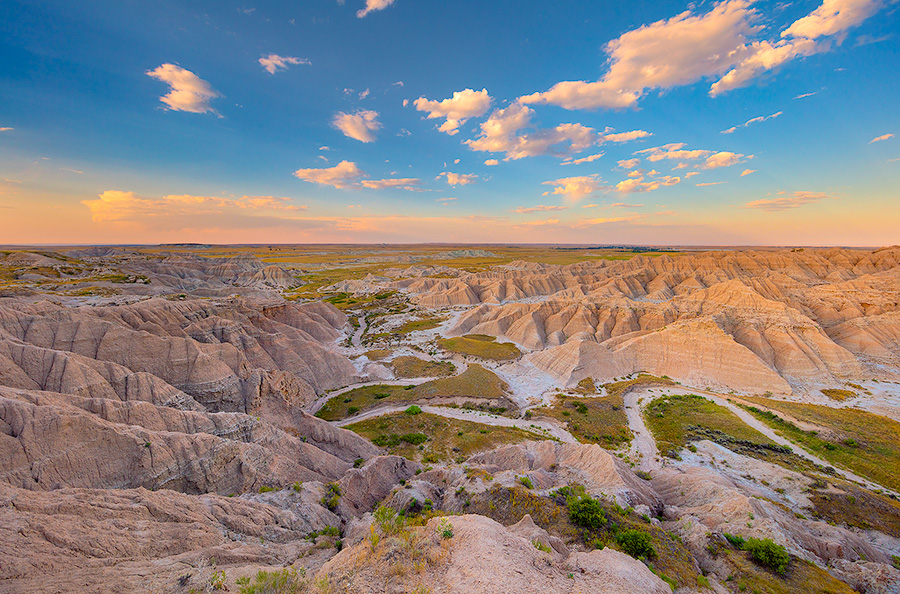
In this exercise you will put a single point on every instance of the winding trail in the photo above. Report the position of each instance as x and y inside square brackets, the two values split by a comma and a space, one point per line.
[538, 427]
[643, 446]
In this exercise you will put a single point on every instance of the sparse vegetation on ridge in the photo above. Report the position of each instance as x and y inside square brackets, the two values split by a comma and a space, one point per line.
[480, 345]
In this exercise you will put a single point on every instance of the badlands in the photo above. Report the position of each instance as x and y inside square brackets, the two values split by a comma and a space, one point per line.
[500, 419]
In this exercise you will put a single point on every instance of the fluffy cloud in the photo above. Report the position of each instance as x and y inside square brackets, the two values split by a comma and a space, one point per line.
[588, 159]
[882, 137]
[690, 47]
[625, 136]
[747, 172]
[116, 205]
[341, 175]
[787, 201]
[491, 162]
[458, 179]
[691, 174]
[752, 121]
[406, 183]
[629, 163]
[500, 133]
[457, 109]
[274, 62]
[538, 208]
[724, 159]
[574, 188]
[677, 51]
[373, 5]
[704, 184]
[638, 184]
[673, 151]
[359, 125]
[188, 91]
[6, 129]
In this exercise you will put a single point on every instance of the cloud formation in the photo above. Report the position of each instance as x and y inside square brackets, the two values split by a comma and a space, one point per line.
[502, 133]
[457, 109]
[273, 62]
[538, 208]
[588, 159]
[882, 137]
[6, 129]
[406, 183]
[574, 188]
[372, 6]
[116, 205]
[341, 175]
[787, 201]
[458, 179]
[752, 121]
[637, 184]
[188, 91]
[359, 126]
[747, 172]
[724, 159]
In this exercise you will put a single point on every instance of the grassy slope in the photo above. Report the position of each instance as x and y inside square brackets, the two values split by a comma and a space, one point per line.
[480, 345]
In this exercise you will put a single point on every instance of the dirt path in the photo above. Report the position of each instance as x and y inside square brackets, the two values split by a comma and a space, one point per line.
[643, 448]
[539, 427]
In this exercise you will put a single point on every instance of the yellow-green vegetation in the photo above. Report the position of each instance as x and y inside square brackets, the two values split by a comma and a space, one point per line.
[643, 380]
[837, 394]
[378, 354]
[345, 301]
[749, 575]
[592, 420]
[289, 580]
[409, 366]
[423, 324]
[586, 386]
[841, 502]
[480, 345]
[476, 384]
[432, 438]
[573, 516]
[864, 443]
[677, 420]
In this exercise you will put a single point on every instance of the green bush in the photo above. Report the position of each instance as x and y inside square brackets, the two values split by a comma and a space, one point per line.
[413, 410]
[734, 539]
[414, 438]
[352, 410]
[332, 496]
[586, 512]
[636, 543]
[286, 581]
[387, 520]
[526, 482]
[768, 554]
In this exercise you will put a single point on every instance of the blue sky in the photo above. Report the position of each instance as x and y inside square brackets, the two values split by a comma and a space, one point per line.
[507, 121]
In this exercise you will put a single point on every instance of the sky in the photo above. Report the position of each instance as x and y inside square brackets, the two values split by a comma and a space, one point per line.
[650, 122]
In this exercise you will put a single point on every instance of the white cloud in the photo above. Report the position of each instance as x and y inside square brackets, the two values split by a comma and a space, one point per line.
[747, 172]
[724, 159]
[588, 159]
[6, 129]
[787, 201]
[341, 175]
[804, 95]
[491, 162]
[273, 62]
[882, 137]
[457, 109]
[760, 57]
[364, 94]
[408, 183]
[629, 163]
[359, 125]
[574, 188]
[458, 179]
[637, 184]
[373, 5]
[832, 17]
[539, 223]
[501, 134]
[673, 151]
[538, 208]
[667, 53]
[752, 121]
[691, 174]
[188, 91]
[625, 136]
[704, 184]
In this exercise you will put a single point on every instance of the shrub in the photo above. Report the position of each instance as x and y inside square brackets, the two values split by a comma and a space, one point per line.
[297, 486]
[352, 410]
[414, 438]
[526, 482]
[286, 581]
[636, 543]
[265, 489]
[735, 540]
[332, 496]
[413, 410]
[358, 462]
[586, 512]
[445, 529]
[387, 519]
[768, 554]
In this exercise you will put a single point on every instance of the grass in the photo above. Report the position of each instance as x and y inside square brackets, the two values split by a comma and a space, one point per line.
[508, 505]
[409, 367]
[446, 440]
[414, 325]
[482, 346]
[677, 420]
[592, 420]
[476, 384]
[378, 354]
[864, 443]
[643, 380]
[840, 502]
[839, 395]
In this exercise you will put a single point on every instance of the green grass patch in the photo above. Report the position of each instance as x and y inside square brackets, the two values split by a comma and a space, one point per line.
[592, 420]
[677, 420]
[408, 367]
[476, 383]
[862, 442]
[414, 325]
[643, 380]
[480, 345]
[844, 503]
[445, 440]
